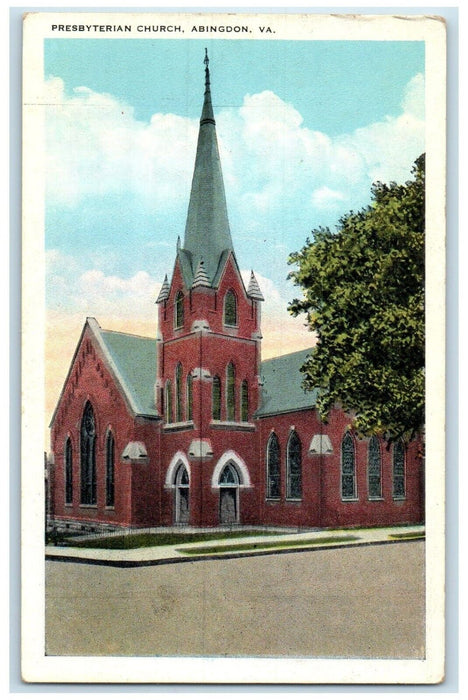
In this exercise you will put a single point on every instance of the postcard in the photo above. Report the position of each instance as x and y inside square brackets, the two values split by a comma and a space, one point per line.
[233, 294]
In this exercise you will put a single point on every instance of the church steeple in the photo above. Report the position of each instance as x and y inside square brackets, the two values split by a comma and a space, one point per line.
[207, 232]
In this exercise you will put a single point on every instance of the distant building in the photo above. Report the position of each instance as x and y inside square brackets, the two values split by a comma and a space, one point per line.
[193, 428]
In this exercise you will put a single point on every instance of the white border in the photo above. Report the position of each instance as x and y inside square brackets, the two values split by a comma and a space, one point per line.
[37, 667]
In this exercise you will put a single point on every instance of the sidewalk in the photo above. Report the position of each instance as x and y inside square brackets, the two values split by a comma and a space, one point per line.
[237, 547]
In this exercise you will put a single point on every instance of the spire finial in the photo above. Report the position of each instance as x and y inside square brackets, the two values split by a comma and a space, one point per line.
[206, 61]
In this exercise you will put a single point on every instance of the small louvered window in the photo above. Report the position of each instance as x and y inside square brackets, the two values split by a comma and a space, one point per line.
[179, 310]
[230, 309]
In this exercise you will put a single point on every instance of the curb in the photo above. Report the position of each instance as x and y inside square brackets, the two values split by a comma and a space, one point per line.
[131, 564]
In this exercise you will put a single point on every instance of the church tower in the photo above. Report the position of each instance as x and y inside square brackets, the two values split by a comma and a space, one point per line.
[208, 357]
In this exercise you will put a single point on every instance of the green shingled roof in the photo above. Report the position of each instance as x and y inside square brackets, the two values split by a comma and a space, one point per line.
[135, 360]
[207, 232]
[282, 389]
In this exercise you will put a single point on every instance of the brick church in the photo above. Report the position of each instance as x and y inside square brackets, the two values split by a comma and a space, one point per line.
[193, 428]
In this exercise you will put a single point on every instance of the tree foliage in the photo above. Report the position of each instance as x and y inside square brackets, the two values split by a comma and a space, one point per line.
[363, 294]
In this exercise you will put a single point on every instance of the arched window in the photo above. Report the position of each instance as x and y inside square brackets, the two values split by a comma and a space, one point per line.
[182, 495]
[273, 467]
[178, 392]
[189, 405]
[294, 467]
[230, 309]
[110, 469]
[182, 477]
[179, 310]
[348, 468]
[244, 401]
[229, 476]
[88, 456]
[168, 397]
[68, 472]
[374, 469]
[399, 488]
[216, 399]
[230, 392]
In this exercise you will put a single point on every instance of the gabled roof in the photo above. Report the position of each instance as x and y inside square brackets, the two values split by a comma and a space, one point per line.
[132, 361]
[282, 389]
[134, 358]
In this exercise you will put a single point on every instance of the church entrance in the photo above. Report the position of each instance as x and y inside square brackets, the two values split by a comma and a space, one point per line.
[229, 495]
[182, 496]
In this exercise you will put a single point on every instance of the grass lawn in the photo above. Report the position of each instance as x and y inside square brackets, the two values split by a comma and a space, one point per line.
[158, 539]
[278, 544]
[407, 536]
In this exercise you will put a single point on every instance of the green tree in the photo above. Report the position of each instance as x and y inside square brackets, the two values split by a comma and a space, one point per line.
[363, 294]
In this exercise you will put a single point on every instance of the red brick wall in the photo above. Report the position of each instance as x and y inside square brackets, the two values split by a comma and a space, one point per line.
[89, 380]
[141, 498]
[321, 503]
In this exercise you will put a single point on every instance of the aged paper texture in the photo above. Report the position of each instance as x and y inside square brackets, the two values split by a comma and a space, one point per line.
[176, 169]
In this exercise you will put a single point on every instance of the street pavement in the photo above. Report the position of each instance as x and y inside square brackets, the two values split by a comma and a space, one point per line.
[347, 601]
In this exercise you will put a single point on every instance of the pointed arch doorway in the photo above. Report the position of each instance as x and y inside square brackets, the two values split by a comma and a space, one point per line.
[182, 496]
[229, 495]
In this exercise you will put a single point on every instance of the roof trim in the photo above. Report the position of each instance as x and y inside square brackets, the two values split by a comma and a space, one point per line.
[127, 394]
[78, 345]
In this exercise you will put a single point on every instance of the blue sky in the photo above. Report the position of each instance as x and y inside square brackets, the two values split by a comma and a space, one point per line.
[337, 86]
[304, 129]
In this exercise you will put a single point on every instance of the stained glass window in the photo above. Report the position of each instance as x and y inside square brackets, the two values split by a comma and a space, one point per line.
[294, 467]
[374, 469]
[216, 399]
[273, 467]
[178, 391]
[110, 469]
[189, 397]
[231, 392]
[244, 401]
[88, 456]
[168, 402]
[348, 468]
[230, 309]
[229, 476]
[399, 488]
[68, 472]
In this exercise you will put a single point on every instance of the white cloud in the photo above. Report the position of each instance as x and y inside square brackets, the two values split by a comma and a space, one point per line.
[274, 163]
[271, 161]
[324, 197]
[413, 98]
[91, 292]
[95, 146]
